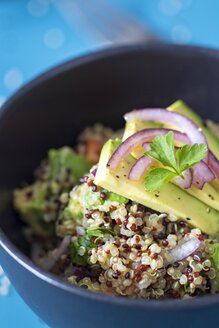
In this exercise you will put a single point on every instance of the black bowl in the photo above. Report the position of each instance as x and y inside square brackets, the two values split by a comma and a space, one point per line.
[49, 112]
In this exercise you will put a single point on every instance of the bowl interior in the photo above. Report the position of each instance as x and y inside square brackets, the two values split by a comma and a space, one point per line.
[52, 110]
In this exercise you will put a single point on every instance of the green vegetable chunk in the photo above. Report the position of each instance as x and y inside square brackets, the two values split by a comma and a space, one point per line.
[66, 158]
[30, 202]
[79, 247]
[113, 197]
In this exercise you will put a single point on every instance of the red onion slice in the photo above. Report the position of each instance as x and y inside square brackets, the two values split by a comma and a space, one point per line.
[144, 162]
[186, 182]
[139, 138]
[184, 250]
[193, 132]
[214, 164]
[140, 166]
[146, 146]
[201, 174]
[198, 175]
[94, 171]
[49, 262]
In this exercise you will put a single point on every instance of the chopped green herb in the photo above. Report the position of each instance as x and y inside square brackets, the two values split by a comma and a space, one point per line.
[157, 178]
[162, 150]
[79, 250]
[80, 247]
[189, 156]
[98, 231]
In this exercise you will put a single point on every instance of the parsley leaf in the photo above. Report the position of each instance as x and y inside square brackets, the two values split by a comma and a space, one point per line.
[188, 156]
[162, 149]
[98, 231]
[174, 162]
[157, 178]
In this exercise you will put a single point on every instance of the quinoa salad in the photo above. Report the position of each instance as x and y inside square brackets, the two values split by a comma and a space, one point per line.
[133, 212]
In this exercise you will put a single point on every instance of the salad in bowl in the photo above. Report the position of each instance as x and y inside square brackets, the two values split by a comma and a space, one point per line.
[134, 212]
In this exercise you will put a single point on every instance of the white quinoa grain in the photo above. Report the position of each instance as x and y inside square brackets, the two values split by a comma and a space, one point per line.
[82, 250]
[196, 231]
[127, 282]
[154, 248]
[198, 280]
[146, 260]
[144, 283]
[172, 218]
[206, 264]
[183, 279]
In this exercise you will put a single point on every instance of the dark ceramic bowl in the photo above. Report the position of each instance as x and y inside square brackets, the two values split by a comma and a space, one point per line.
[49, 112]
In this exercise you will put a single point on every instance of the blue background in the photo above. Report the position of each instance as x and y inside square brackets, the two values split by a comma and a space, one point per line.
[35, 35]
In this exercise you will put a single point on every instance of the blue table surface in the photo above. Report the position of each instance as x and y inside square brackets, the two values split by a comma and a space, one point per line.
[34, 36]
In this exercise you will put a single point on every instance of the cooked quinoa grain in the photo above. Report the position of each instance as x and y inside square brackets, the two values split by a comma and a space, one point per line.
[130, 251]
[104, 242]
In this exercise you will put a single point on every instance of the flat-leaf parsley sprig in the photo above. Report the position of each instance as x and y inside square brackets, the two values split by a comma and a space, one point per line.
[174, 162]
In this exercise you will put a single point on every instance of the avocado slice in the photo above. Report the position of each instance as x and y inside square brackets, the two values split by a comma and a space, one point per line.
[29, 201]
[180, 107]
[112, 197]
[66, 158]
[132, 127]
[74, 209]
[169, 199]
[210, 193]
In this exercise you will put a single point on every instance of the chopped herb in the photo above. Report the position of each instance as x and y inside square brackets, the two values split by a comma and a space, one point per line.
[80, 247]
[77, 246]
[158, 177]
[98, 231]
[162, 150]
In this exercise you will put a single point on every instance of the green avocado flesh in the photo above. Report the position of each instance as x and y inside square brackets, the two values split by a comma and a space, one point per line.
[210, 192]
[32, 210]
[180, 107]
[170, 198]
[132, 127]
[66, 158]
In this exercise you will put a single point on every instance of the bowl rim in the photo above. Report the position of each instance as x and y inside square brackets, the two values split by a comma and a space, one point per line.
[22, 259]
